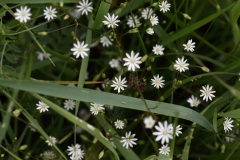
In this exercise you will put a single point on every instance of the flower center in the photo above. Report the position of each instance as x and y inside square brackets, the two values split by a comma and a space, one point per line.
[80, 49]
[50, 13]
[24, 14]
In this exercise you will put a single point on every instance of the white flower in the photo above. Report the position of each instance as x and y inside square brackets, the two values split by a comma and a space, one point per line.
[95, 108]
[164, 150]
[42, 106]
[41, 55]
[23, 14]
[230, 137]
[158, 81]
[130, 21]
[181, 65]
[111, 21]
[150, 31]
[128, 140]
[189, 46]
[149, 122]
[53, 141]
[75, 152]
[178, 130]
[119, 84]
[207, 92]
[119, 124]
[132, 61]
[49, 155]
[194, 102]
[69, 104]
[164, 132]
[84, 7]
[50, 13]
[80, 49]
[114, 63]
[106, 41]
[154, 20]
[227, 124]
[146, 13]
[158, 49]
[164, 6]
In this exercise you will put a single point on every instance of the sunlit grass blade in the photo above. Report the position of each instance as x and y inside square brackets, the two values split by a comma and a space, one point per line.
[89, 95]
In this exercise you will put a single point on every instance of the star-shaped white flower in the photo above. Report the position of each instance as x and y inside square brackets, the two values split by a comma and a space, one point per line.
[181, 65]
[50, 13]
[164, 6]
[164, 150]
[227, 124]
[158, 81]
[80, 49]
[75, 152]
[194, 102]
[150, 31]
[119, 124]
[69, 104]
[84, 7]
[49, 155]
[154, 20]
[158, 49]
[147, 12]
[42, 106]
[95, 108]
[128, 140]
[119, 83]
[111, 21]
[132, 61]
[114, 63]
[130, 21]
[106, 41]
[23, 14]
[189, 46]
[52, 141]
[41, 55]
[207, 93]
[149, 122]
[164, 132]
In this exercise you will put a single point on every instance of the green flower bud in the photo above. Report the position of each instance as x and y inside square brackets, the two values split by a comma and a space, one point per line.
[2, 155]
[143, 59]
[123, 5]
[42, 33]
[186, 16]
[154, 4]
[149, 68]
[161, 98]
[205, 69]
[138, 25]
[101, 154]
[152, 59]
[17, 112]
[23, 147]
[103, 75]
[134, 30]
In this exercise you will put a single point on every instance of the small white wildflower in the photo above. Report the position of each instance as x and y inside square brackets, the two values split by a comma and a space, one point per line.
[154, 20]
[75, 152]
[189, 46]
[230, 138]
[95, 108]
[149, 122]
[130, 21]
[119, 124]
[42, 106]
[194, 102]
[50, 13]
[119, 83]
[41, 55]
[23, 14]
[132, 61]
[111, 21]
[150, 31]
[84, 7]
[147, 12]
[158, 49]
[178, 130]
[128, 140]
[69, 104]
[158, 81]
[80, 49]
[164, 6]
[164, 132]
[49, 155]
[114, 63]
[52, 141]
[164, 150]
[106, 41]
[207, 93]
[181, 65]
[227, 124]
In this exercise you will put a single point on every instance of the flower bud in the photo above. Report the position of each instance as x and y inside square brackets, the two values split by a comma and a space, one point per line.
[143, 59]
[17, 112]
[152, 59]
[154, 4]
[149, 68]
[101, 154]
[42, 33]
[138, 25]
[186, 16]
[123, 5]
[150, 31]
[205, 69]
[23, 147]
[223, 148]
[66, 17]
[134, 30]
[103, 75]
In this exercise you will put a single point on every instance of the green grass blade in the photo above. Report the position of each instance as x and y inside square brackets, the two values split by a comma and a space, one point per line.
[232, 114]
[9, 152]
[89, 95]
